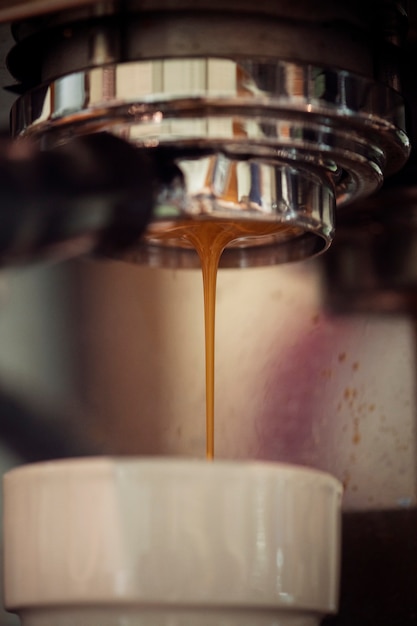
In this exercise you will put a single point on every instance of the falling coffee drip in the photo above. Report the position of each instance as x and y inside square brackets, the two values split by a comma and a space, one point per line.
[209, 237]
[209, 240]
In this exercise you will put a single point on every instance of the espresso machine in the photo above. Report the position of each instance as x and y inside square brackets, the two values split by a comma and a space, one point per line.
[132, 115]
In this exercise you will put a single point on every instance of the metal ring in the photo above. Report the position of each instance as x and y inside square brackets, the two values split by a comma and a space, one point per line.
[345, 128]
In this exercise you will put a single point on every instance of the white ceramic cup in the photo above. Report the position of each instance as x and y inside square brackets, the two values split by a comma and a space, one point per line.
[170, 542]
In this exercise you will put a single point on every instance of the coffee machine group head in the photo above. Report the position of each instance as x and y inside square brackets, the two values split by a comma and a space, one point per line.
[266, 113]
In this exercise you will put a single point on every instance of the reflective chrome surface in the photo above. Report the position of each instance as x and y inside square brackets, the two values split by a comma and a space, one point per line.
[289, 110]
[296, 206]
[242, 132]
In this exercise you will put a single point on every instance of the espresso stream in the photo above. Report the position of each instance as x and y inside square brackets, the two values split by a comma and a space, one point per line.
[209, 237]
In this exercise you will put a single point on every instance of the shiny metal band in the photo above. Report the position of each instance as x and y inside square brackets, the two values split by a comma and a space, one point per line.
[258, 116]
[288, 107]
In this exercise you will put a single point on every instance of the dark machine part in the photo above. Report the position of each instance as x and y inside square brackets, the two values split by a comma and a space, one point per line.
[379, 569]
[371, 267]
[95, 194]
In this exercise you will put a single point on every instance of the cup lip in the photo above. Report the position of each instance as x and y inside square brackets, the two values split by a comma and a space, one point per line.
[85, 478]
[169, 464]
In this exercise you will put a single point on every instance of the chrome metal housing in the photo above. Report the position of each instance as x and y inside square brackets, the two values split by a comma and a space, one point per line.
[253, 138]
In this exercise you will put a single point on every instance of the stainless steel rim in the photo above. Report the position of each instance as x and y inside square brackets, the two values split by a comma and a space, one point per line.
[342, 127]
[320, 110]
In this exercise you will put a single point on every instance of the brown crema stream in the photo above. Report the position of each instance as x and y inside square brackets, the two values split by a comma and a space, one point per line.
[209, 237]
